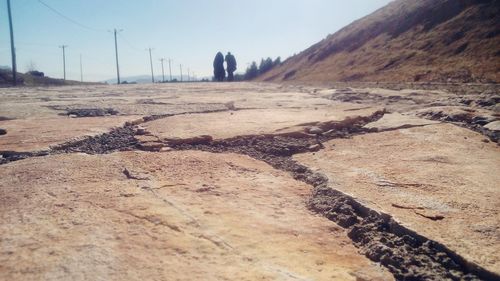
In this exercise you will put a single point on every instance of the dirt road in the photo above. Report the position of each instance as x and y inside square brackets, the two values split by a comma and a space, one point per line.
[248, 181]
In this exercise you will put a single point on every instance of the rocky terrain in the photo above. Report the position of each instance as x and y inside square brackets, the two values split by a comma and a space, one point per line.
[406, 41]
[250, 181]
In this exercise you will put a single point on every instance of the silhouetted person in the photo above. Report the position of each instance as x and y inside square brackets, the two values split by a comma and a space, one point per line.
[219, 72]
[231, 66]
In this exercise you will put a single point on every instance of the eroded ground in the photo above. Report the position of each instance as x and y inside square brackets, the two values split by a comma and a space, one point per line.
[291, 183]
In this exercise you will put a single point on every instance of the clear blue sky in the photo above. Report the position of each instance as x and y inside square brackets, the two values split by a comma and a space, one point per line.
[188, 31]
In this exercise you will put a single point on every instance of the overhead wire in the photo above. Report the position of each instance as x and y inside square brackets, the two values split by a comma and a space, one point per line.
[129, 44]
[68, 18]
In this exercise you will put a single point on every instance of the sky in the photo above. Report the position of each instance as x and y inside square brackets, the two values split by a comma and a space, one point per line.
[190, 32]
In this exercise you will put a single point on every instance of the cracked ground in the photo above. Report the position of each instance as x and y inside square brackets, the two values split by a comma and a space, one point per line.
[248, 181]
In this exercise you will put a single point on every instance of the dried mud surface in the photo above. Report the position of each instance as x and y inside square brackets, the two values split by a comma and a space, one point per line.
[338, 114]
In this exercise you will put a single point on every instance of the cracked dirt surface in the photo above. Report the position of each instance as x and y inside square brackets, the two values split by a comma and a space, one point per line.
[222, 125]
[409, 191]
[176, 216]
[433, 182]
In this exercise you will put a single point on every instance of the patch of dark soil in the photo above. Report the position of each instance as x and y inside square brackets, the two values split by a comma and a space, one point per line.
[151, 101]
[406, 254]
[9, 156]
[467, 120]
[461, 48]
[356, 97]
[90, 112]
[289, 75]
[118, 139]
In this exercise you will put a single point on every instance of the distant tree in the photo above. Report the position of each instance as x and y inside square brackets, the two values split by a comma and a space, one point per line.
[31, 66]
[239, 77]
[252, 71]
[219, 72]
[265, 65]
[231, 66]
[36, 73]
[277, 61]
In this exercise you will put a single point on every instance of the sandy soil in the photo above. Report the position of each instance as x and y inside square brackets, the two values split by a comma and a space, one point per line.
[188, 215]
[25, 135]
[223, 125]
[119, 212]
[438, 180]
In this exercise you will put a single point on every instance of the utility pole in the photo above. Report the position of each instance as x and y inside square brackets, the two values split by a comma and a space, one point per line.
[116, 52]
[181, 71]
[12, 47]
[162, 70]
[81, 69]
[63, 47]
[151, 62]
[170, 69]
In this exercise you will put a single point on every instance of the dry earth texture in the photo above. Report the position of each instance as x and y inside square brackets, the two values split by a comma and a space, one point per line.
[408, 40]
[249, 181]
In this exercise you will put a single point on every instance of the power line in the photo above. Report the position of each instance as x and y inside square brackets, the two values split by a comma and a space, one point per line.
[81, 69]
[170, 68]
[127, 42]
[12, 47]
[151, 62]
[63, 47]
[68, 18]
[162, 70]
[116, 52]
[180, 65]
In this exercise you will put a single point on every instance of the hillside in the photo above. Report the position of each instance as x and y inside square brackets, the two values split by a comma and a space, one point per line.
[406, 41]
[24, 79]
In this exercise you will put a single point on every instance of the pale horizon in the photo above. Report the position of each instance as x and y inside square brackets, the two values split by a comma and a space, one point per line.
[250, 31]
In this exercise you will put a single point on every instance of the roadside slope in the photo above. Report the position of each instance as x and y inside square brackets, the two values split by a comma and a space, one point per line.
[422, 40]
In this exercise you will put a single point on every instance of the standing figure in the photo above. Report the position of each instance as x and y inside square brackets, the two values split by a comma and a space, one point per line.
[231, 66]
[219, 72]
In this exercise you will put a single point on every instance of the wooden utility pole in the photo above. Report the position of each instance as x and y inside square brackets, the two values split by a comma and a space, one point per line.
[181, 71]
[170, 68]
[63, 47]
[162, 70]
[12, 47]
[116, 52]
[81, 69]
[151, 62]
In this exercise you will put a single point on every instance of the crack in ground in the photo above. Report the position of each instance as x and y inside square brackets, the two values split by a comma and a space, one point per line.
[405, 253]
[466, 122]
[487, 101]
[117, 139]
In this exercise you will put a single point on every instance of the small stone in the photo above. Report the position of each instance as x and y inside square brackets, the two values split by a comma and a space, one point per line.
[230, 105]
[3, 132]
[141, 131]
[315, 130]
[314, 147]
[166, 149]
[151, 146]
[493, 126]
